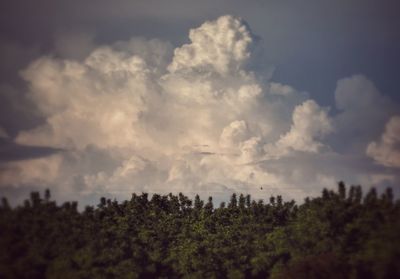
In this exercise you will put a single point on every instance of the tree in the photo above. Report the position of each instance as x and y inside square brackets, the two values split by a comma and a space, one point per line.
[233, 201]
[331, 236]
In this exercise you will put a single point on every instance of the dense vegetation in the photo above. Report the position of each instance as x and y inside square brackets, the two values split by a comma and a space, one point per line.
[338, 235]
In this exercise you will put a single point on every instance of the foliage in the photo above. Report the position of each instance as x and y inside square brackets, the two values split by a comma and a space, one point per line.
[337, 235]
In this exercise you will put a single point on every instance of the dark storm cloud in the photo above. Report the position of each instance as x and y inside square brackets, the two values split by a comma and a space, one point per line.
[11, 151]
[16, 111]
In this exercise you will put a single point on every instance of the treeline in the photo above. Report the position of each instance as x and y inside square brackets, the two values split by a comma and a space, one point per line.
[340, 234]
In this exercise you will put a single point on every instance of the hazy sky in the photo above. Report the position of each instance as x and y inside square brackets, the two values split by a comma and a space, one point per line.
[209, 97]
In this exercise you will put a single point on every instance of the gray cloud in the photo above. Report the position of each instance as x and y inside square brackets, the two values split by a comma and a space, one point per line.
[363, 113]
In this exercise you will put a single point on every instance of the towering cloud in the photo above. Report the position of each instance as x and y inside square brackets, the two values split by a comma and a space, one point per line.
[137, 116]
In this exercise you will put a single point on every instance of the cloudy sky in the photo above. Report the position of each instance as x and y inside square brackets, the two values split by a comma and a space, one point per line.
[106, 98]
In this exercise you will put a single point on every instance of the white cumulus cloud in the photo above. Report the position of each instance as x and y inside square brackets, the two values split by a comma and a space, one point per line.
[138, 116]
[310, 123]
[387, 150]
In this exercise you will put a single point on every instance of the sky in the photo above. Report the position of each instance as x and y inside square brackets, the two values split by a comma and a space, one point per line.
[101, 98]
